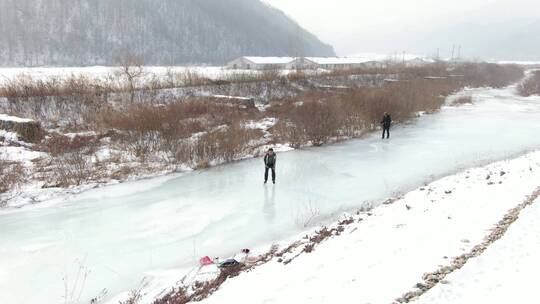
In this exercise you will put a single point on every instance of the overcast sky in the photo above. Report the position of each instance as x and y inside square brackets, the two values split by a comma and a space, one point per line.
[345, 23]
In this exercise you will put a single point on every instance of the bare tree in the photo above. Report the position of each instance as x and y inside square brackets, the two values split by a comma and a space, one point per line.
[131, 67]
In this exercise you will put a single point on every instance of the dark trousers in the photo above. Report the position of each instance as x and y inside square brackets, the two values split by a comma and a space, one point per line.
[386, 131]
[273, 173]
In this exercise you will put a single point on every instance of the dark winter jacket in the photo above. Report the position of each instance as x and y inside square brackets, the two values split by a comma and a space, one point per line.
[387, 121]
[270, 160]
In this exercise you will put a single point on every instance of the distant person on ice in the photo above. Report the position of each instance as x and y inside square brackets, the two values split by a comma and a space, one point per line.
[386, 123]
[270, 164]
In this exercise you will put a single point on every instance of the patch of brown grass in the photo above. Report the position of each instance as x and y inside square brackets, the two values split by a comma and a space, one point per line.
[325, 117]
[194, 131]
[57, 144]
[12, 174]
[462, 100]
[201, 290]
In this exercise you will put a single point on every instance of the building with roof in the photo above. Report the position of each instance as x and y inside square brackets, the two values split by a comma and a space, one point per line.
[303, 63]
[341, 63]
[262, 63]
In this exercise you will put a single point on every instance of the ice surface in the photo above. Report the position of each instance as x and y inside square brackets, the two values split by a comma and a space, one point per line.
[381, 257]
[121, 235]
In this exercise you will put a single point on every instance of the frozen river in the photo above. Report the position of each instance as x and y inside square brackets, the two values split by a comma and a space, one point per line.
[122, 233]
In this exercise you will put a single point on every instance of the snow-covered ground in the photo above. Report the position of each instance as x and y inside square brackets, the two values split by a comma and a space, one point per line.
[518, 62]
[104, 72]
[385, 253]
[159, 229]
[8, 118]
[111, 73]
[506, 273]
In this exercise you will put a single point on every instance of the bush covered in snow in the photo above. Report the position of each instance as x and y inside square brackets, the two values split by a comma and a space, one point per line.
[531, 85]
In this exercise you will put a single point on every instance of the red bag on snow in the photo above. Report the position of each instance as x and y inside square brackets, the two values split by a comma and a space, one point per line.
[205, 261]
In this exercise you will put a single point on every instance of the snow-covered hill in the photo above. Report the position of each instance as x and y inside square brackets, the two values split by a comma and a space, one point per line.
[168, 32]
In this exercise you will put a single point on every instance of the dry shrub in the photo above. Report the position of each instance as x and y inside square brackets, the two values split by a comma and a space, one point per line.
[27, 131]
[201, 290]
[69, 112]
[530, 86]
[169, 130]
[321, 235]
[25, 86]
[324, 117]
[12, 174]
[191, 78]
[222, 145]
[71, 159]
[462, 100]
[314, 121]
[176, 296]
[488, 74]
[180, 118]
[57, 144]
[135, 295]
[309, 248]
[270, 75]
[438, 69]
[356, 71]
[73, 169]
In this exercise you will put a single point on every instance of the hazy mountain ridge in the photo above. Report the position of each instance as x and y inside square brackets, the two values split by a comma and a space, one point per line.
[166, 32]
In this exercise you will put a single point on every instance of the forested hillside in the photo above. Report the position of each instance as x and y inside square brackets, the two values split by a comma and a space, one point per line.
[165, 32]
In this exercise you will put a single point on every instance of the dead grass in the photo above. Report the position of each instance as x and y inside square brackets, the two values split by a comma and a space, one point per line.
[196, 131]
[462, 100]
[487, 74]
[12, 174]
[326, 117]
[320, 117]
[31, 131]
[200, 290]
[25, 86]
[57, 144]
[73, 169]
[225, 144]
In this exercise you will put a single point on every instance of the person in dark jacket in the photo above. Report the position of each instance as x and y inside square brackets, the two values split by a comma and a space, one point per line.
[270, 164]
[386, 123]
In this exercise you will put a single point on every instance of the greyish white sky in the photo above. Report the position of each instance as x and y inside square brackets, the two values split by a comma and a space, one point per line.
[358, 26]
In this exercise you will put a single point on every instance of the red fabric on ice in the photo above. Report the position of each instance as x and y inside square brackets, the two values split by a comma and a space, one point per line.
[205, 261]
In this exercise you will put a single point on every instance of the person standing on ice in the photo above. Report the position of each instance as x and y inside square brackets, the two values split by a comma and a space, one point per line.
[270, 164]
[386, 123]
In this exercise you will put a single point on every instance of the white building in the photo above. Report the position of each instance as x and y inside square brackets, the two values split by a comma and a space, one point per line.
[342, 63]
[304, 63]
[262, 63]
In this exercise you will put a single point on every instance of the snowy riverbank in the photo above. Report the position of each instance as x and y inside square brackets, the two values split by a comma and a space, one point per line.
[386, 252]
